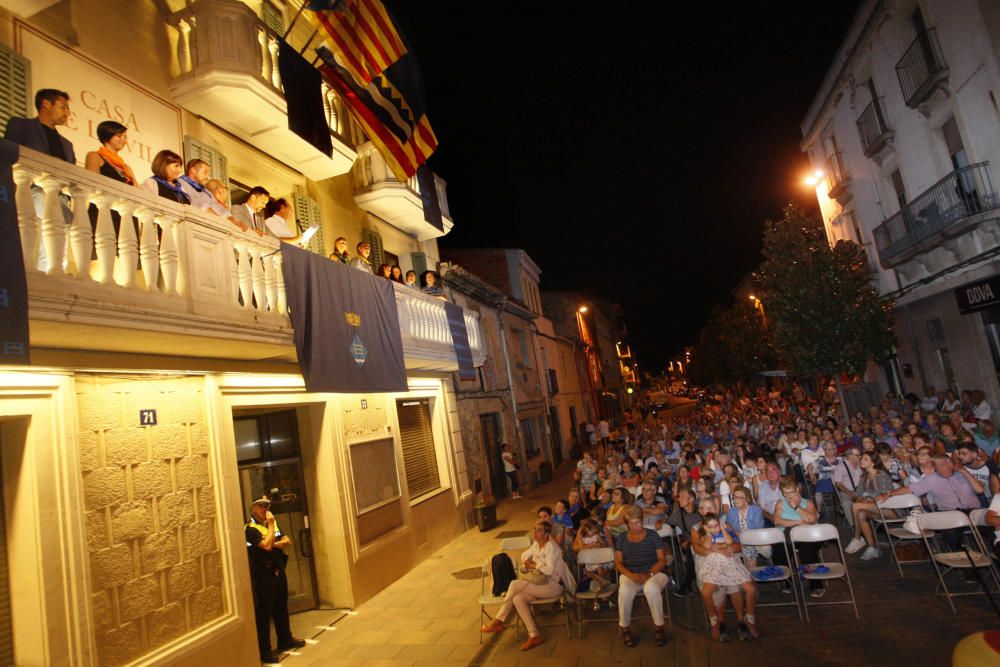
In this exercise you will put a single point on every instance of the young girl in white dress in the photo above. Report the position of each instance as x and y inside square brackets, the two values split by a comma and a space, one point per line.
[721, 569]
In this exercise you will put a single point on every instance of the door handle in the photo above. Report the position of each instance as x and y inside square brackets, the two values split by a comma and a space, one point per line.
[305, 538]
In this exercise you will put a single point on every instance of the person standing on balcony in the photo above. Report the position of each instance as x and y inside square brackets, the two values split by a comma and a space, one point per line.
[431, 288]
[194, 183]
[278, 221]
[339, 253]
[105, 160]
[219, 191]
[40, 133]
[411, 279]
[167, 169]
[361, 262]
[249, 211]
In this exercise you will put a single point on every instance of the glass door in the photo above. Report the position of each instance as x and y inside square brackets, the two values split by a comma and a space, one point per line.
[268, 451]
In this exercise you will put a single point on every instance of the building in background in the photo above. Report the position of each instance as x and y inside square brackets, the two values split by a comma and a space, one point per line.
[164, 391]
[903, 137]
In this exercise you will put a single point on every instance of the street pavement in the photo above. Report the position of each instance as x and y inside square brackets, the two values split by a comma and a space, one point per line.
[431, 617]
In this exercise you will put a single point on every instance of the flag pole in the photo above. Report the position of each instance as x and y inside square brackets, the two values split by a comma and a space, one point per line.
[294, 19]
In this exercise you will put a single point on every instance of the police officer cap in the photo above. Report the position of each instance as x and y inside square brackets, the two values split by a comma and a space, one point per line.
[263, 500]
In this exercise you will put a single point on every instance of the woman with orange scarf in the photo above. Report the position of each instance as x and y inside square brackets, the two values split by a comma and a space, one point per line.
[105, 160]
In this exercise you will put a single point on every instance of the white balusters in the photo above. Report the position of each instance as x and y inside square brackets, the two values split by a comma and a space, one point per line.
[184, 59]
[257, 276]
[169, 257]
[234, 273]
[149, 248]
[272, 47]
[27, 219]
[279, 280]
[105, 243]
[245, 280]
[265, 54]
[53, 225]
[128, 245]
[80, 235]
[270, 285]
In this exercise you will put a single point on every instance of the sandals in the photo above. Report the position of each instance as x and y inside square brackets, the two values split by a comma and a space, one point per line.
[628, 638]
[659, 636]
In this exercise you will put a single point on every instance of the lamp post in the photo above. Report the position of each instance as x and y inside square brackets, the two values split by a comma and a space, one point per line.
[759, 305]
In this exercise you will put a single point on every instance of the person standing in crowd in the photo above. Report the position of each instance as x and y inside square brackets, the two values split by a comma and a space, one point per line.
[278, 221]
[361, 262]
[249, 211]
[40, 133]
[167, 169]
[339, 253]
[510, 468]
[605, 430]
[266, 546]
[106, 160]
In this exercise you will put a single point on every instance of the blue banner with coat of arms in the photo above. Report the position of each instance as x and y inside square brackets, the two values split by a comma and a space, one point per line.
[346, 325]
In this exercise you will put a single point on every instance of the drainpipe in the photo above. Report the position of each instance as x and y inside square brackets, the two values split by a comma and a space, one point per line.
[542, 386]
[500, 304]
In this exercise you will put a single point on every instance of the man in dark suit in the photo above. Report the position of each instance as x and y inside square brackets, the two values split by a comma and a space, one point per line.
[40, 133]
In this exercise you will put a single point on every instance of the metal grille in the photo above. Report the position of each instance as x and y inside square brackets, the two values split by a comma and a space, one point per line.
[921, 67]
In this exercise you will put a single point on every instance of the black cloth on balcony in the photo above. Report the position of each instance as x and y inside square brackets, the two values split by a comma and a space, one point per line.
[13, 284]
[304, 95]
[346, 325]
[460, 339]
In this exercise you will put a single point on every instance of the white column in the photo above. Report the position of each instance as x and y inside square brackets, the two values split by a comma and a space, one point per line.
[149, 248]
[128, 245]
[80, 236]
[279, 279]
[105, 242]
[270, 285]
[246, 284]
[272, 47]
[234, 273]
[27, 219]
[168, 253]
[257, 276]
[53, 225]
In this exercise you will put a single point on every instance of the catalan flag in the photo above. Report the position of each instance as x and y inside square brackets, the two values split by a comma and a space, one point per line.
[368, 62]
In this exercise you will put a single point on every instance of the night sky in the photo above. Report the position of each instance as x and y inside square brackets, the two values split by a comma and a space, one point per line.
[632, 152]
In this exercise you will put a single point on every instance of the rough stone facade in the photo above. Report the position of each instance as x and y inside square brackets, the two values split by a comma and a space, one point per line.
[155, 566]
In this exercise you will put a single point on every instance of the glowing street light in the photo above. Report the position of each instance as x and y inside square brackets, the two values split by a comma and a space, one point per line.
[582, 309]
[814, 178]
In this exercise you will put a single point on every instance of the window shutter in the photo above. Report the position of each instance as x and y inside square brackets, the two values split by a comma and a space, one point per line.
[272, 18]
[374, 239]
[419, 260]
[15, 85]
[308, 213]
[217, 162]
[419, 457]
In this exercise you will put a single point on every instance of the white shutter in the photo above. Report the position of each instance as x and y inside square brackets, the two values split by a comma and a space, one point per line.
[15, 85]
[196, 150]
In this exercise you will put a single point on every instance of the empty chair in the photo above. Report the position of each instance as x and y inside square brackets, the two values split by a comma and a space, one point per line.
[603, 593]
[893, 526]
[976, 558]
[772, 537]
[822, 532]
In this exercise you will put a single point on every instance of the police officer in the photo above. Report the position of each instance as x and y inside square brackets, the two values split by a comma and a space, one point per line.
[265, 547]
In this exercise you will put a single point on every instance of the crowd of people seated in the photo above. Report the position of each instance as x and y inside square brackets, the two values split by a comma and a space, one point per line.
[673, 496]
[189, 183]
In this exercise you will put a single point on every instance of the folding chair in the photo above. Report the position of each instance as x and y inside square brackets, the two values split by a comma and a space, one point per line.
[978, 519]
[594, 557]
[521, 543]
[893, 526]
[823, 532]
[486, 597]
[771, 537]
[946, 561]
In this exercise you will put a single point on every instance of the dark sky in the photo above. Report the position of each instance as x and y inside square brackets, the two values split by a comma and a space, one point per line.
[633, 152]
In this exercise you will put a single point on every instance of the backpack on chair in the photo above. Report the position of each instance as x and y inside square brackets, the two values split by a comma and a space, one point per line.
[502, 568]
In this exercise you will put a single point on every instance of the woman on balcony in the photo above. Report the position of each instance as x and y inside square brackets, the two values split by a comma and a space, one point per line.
[167, 168]
[105, 160]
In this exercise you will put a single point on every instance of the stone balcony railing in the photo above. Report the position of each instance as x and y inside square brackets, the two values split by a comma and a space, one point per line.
[170, 280]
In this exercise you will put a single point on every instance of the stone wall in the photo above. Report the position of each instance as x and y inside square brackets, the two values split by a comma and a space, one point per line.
[155, 565]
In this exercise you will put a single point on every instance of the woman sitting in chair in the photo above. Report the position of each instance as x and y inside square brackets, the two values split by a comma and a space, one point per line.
[545, 576]
[640, 557]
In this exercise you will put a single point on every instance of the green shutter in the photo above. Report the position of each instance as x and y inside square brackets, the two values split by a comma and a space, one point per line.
[308, 214]
[375, 241]
[15, 85]
[419, 260]
[272, 18]
[217, 162]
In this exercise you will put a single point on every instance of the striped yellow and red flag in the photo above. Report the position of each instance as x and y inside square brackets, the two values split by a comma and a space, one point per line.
[364, 57]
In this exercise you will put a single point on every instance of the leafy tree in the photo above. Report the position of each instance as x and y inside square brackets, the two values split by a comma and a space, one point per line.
[825, 315]
[734, 345]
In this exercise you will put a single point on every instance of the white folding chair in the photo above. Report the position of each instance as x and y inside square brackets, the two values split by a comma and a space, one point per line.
[978, 519]
[771, 537]
[945, 561]
[520, 544]
[486, 597]
[823, 532]
[604, 555]
[674, 558]
[893, 526]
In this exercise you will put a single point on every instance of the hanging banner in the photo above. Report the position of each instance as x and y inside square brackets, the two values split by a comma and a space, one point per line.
[460, 339]
[13, 284]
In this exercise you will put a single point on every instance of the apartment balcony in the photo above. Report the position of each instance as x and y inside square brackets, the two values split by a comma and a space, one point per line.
[955, 219]
[226, 61]
[876, 137]
[922, 70]
[838, 179]
[177, 282]
[376, 189]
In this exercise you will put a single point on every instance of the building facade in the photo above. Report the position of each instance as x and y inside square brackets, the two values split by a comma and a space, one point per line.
[163, 392]
[903, 135]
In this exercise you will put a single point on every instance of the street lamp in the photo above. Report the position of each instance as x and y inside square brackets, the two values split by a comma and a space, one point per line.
[813, 179]
[582, 309]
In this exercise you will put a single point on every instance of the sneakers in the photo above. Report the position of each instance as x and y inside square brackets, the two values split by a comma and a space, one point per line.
[743, 632]
[723, 635]
[855, 546]
[531, 643]
[752, 629]
[871, 553]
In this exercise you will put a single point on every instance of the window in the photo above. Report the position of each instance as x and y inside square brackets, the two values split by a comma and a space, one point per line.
[897, 185]
[935, 331]
[15, 85]
[217, 162]
[522, 344]
[553, 381]
[419, 455]
[530, 437]
[373, 468]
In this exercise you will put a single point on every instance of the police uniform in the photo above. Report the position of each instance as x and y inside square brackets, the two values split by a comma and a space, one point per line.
[270, 588]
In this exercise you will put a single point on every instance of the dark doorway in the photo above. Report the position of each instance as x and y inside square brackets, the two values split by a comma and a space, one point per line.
[492, 450]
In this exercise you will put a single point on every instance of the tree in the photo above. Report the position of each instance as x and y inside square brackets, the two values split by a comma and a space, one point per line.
[733, 346]
[825, 315]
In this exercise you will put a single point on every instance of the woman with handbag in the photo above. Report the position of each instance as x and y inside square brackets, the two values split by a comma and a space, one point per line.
[544, 575]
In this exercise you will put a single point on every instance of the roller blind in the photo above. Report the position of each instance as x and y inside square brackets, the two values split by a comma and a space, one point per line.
[419, 455]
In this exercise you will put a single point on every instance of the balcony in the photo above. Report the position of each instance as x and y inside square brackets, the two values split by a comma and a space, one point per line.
[876, 137]
[952, 207]
[226, 62]
[838, 179]
[376, 189]
[922, 69]
[178, 282]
